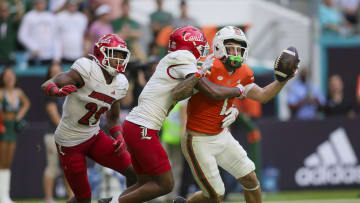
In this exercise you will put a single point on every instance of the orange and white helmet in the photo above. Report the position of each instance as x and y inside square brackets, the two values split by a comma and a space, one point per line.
[230, 33]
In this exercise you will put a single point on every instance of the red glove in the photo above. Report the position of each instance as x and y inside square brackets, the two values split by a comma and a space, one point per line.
[119, 144]
[53, 90]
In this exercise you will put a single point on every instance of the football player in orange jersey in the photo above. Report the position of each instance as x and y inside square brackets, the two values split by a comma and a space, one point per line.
[208, 142]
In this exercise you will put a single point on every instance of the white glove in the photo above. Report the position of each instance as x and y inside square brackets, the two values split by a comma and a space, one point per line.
[207, 64]
[242, 91]
[231, 115]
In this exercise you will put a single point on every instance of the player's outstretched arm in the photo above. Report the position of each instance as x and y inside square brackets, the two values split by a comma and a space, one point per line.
[63, 84]
[265, 94]
[284, 68]
[218, 92]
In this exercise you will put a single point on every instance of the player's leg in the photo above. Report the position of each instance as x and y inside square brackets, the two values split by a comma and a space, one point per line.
[251, 187]
[141, 180]
[150, 162]
[73, 164]
[176, 160]
[102, 151]
[234, 160]
[51, 169]
[200, 152]
[152, 187]
[253, 141]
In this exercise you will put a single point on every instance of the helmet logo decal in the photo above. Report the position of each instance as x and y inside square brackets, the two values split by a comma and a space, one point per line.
[188, 37]
[105, 41]
[237, 30]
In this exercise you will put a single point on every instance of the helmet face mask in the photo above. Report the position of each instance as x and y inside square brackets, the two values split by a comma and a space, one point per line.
[111, 54]
[234, 49]
[203, 50]
[115, 61]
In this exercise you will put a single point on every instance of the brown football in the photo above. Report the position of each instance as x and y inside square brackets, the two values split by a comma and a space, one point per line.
[286, 64]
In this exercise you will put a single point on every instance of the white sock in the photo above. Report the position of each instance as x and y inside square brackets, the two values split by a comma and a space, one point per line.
[2, 185]
[5, 187]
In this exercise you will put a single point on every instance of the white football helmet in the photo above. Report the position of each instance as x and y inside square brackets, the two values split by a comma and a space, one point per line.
[229, 33]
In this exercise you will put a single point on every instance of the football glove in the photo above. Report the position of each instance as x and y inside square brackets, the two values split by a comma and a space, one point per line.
[53, 90]
[119, 143]
[242, 91]
[206, 65]
[231, 115]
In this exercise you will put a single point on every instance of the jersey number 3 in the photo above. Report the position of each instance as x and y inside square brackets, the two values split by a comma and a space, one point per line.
[92, 107]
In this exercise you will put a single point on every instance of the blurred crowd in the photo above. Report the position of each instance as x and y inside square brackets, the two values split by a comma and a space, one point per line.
[64, 30]
[339, 17]
[307, 102]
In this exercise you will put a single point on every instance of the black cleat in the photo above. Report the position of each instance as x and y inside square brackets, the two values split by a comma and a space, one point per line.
[179, 199]
[105, 200]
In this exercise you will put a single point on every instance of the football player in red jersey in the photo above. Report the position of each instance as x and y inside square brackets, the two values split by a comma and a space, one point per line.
[173, 80]
[92, 87]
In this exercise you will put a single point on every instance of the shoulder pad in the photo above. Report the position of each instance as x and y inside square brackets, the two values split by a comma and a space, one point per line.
[122, 82]
[83, 67]
[181, 57]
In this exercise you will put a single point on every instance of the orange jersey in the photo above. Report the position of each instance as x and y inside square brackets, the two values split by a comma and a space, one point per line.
[205, 114]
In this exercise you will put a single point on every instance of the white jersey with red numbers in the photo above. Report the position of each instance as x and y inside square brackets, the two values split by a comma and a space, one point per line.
[82, 109]
[155, 100]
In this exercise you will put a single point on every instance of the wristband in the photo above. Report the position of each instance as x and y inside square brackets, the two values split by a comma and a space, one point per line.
[48, 88]
[241, 89]
[116, 130]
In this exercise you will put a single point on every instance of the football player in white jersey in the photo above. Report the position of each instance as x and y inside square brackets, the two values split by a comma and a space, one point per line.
[173, 80]
[92, 87]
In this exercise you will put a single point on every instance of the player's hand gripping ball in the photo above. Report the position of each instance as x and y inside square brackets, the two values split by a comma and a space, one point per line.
[286, 64]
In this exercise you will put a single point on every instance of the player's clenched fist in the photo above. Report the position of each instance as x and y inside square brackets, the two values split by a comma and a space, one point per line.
[53, 90]
[119, 144]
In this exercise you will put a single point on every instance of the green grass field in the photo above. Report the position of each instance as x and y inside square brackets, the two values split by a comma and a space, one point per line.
[310, 196]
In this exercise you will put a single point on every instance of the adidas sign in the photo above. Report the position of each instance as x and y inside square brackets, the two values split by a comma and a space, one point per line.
[333, 163]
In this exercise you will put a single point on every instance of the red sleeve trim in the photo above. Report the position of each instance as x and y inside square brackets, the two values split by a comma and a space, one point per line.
[168, 71]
